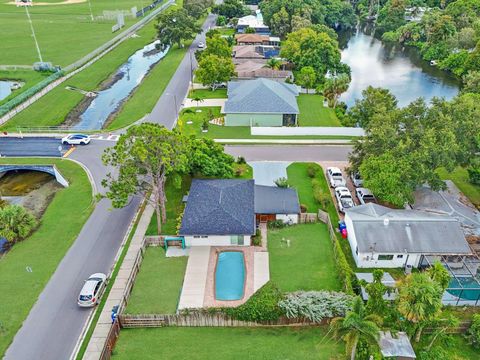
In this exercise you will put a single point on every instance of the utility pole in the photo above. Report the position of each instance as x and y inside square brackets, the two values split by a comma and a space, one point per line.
[33, 32]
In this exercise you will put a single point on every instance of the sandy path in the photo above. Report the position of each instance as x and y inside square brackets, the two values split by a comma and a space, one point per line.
[66, 2]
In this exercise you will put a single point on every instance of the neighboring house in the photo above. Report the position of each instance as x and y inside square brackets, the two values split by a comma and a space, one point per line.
[253, 21]
[256, 39]
[261, 102]
[255, 52]
[253, 70]
[385, 238]
[223, 212]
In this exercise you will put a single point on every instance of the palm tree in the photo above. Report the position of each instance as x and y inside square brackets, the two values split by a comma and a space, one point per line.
[355, 326]
[198, 100]
[274, 63]
[334, 87]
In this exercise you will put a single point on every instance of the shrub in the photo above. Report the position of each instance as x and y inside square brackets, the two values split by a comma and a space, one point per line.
[319, 194]
[241, 160]
[474, 174]
[313, 170]
[262, 306]
[316, 305]
[221, 20]
[16, 223]
[276, 224]
[303, 208]
[473, 333]
[282, 182]
[257, 239]
[205, 124]
[240, 169]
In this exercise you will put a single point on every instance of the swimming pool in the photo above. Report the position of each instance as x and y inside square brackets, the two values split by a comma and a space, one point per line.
[471, 290]
[230, 275]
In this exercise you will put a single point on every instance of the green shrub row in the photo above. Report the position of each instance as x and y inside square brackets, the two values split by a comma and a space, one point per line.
[344, 270]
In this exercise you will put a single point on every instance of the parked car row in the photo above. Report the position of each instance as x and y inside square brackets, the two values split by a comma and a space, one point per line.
[343, 195]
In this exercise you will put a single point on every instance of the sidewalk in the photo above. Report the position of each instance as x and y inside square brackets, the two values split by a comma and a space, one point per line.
[117, 293]
[285, 141]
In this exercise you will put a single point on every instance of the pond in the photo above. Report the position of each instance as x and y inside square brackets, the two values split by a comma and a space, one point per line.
[126, 79]
[5, 88]
[402, 71]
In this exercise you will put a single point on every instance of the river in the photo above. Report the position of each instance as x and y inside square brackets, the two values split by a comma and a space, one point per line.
[402, 71]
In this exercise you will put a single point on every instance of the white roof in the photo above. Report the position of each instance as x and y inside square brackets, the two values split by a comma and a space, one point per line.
[252, 21]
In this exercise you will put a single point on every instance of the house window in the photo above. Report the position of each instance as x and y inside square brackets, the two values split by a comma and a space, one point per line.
[385, 257]
[200, 236]
[236, 239]
[399, 256]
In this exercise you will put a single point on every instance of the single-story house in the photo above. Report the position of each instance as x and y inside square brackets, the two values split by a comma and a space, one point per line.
[255, 52]
[224, 212]
[396, 346]
[256, 39]
[253, 70]
[261, 102]
[385, 238]
[253, 21]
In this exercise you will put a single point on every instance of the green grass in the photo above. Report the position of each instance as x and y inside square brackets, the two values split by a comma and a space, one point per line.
[28, 77]
[226, 343]
[226, 31]
[65, 33]
[456, 347]
[208, 94]
[158, 284]
[460, 177]
[308, 263]
[44, 249]
[313, 113]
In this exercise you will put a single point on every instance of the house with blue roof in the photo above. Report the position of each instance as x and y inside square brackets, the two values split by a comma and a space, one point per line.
[261, 102]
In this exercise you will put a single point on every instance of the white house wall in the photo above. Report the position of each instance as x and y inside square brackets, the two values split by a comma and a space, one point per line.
[369, 260]
[214, 240]
[288, 218]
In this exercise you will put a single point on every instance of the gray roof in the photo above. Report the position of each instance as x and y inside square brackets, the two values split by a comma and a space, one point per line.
[396, 346]
[261, 96]
[219, 207]
[275, 200]
[382, 230]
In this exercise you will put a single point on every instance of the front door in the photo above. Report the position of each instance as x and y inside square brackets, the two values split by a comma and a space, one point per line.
[236, 240]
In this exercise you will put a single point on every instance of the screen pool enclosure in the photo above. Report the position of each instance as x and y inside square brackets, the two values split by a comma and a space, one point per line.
[464, 287]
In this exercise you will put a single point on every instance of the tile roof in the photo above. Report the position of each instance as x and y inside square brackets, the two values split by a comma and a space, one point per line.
[251, 38]
[261, 96]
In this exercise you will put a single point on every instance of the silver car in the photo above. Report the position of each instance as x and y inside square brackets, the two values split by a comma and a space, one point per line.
[92, 290]
[365, 196]
[356, 179]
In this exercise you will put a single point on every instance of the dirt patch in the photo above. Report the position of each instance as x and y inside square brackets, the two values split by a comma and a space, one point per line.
[38, 200]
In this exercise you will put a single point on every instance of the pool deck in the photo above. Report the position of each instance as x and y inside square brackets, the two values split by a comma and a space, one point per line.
[193, 290]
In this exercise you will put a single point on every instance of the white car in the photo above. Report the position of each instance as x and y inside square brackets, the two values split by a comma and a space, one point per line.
[92, 290]
[335, 177]
[201, 45]
[356, 179]
[365, 196]
[344, 198]
[76, 139]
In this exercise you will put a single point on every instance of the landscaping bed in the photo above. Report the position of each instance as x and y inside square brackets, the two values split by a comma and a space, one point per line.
[44, 249]
[226, 343]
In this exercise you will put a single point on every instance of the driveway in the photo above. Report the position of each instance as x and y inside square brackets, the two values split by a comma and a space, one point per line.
[266, 172]
[206, 102]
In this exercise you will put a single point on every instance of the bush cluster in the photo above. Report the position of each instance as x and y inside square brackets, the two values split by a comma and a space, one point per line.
[257, 239]
[473, 334]
[276, 224]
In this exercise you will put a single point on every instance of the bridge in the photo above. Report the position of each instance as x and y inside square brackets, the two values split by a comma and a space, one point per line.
[49, 169]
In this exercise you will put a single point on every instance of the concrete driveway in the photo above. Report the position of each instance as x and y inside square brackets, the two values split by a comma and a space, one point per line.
[266, 172]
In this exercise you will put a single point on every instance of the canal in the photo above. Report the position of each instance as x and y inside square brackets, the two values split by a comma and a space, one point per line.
[402, 71]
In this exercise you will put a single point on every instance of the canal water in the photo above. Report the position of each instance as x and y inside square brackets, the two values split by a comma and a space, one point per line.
[402, 71]
[5, 88]
[129, 75]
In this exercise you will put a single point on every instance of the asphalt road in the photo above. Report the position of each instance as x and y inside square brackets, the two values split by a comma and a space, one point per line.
[55, 322]
[28, 146]
[169, 104]
[290, 153]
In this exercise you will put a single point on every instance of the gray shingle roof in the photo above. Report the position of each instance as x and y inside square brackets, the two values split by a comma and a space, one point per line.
[261, 96]
[219, 207]
[383, 230]
[275, 200]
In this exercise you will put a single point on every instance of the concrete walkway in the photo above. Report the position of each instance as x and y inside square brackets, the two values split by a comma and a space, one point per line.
[102, 328]
[261, 273]
[193, 290]
[206, 102]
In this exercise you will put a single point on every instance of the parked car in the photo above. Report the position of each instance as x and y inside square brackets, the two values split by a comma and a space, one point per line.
[201, 45]
[365, 196]
[76, 139]
[344, 198]
[356, 179]
[92, 290]
[335, 177]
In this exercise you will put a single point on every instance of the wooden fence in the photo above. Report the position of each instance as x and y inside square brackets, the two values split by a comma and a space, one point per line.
[462, 328]
[197, 319]
[112, 338]
[307, 218]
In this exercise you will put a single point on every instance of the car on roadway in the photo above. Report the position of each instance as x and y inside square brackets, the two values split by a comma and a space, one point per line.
[356, 179]
[365, 196]
[344, 198]
[201, 45]
[92, 290]
[76, 139]
[335, 177]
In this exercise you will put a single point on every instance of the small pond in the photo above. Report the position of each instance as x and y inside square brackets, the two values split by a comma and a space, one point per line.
[127, 77]
[5, 88]
[402, 71]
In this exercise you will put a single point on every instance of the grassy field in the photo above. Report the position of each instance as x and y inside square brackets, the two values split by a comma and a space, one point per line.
[44, 249]
[158, 284]
[455, 347]
[226, 344]
[313, 113]
[65, 33]
[307, 263]
[208, 94]
[460, 177]
[28, 77]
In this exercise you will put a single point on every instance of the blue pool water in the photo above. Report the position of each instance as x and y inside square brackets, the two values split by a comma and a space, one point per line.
[229, 275]
[471, 289]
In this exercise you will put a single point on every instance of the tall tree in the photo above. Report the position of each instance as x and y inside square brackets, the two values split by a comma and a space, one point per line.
[334, 87]
[356, 326]
[145, 156]
[307, 77]
[280, 23]
[208, 159]
[439, 274]
[175, 26]
[214, 70]
[230, 9]
[376, 304]
[217, 45]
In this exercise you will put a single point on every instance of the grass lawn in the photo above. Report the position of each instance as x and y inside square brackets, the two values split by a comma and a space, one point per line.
[460, 177]
[313, 113]
[226, 31]
[28, 77]
[158, 284]
[65, 33]
[226, 343]
[456, 347]
[308, 263]
[44, 249]
[208, 94]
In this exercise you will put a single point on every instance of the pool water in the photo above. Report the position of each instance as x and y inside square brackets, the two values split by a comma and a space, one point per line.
[471, 290]
[230, 275]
